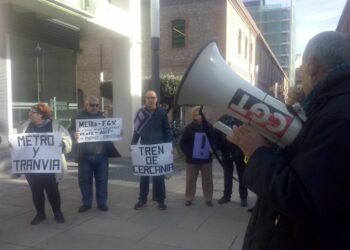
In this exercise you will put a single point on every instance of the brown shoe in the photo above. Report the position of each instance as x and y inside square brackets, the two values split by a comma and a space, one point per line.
[188, 203]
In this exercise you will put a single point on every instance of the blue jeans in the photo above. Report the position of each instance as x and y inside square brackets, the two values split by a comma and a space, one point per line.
[89, 166]
[158, 186]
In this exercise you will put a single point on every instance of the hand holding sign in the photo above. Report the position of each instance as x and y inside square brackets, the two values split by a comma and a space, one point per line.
[76, 136]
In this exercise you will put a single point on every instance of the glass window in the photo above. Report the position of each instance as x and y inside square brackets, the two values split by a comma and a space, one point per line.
[178, 33]
[246, 48]
[251, 53]
[42, 72]
[239, 41]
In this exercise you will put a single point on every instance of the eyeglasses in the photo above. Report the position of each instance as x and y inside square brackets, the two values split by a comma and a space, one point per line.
[33, 111]
[94, 105]
[151, 97]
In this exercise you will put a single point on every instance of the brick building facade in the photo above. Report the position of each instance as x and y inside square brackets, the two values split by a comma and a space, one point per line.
[226, 21]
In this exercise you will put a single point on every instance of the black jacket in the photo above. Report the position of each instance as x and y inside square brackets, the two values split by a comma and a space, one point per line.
[188, 137]
[303, 191]
[156, 130]
[228, 150]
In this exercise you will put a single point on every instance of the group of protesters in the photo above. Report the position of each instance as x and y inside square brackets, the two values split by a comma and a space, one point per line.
[301, 189]
[151, 127]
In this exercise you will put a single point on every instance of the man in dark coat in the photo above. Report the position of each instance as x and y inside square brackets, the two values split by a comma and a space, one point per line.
[196, 145]
[232, 156]
[303, 189]
[92, 160]
[151, 127]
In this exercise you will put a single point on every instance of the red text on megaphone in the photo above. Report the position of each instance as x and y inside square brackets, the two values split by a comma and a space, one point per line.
[256, 111]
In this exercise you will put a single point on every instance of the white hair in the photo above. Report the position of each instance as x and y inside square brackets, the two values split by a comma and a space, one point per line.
[91, 98]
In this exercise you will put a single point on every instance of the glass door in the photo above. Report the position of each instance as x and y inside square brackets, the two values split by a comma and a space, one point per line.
[42, 73]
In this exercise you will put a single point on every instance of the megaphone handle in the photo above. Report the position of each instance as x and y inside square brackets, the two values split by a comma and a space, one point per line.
[205, 127]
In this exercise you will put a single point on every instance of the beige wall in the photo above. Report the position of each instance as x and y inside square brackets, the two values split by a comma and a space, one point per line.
[237, 21]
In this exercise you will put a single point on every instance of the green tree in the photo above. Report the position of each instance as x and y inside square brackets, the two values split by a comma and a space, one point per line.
[169, 84]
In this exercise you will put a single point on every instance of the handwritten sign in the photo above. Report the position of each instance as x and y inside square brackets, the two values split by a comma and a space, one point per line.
[104, 129]
[152, 160]
[36, 152]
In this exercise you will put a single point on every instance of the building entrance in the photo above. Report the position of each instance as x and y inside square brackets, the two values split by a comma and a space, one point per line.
[42, 72]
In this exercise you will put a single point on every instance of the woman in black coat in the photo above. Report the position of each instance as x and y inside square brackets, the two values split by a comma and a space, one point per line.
[40, 121]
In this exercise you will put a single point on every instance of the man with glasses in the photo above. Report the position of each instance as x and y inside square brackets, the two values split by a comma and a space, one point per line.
[151, 127]
[92, 159]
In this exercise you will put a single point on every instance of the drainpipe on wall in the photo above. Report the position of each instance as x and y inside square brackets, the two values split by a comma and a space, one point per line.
[155, 45]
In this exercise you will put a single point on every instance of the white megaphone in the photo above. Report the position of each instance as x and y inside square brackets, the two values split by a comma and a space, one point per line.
[210, 81]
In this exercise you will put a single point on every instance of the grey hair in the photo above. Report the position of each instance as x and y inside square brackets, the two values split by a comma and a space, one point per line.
[328, 49]
[91, 98]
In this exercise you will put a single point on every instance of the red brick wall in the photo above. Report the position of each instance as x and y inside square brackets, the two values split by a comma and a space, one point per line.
[204, 20]
[95, 55]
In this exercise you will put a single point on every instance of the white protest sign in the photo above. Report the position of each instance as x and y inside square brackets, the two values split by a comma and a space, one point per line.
[103, 129]
[36, 152]
[152, 160]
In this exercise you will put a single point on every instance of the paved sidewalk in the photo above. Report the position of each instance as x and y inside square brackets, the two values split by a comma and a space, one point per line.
[122, 227]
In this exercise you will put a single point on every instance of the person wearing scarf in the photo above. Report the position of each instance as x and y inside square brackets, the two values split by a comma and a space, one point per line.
[151, 126]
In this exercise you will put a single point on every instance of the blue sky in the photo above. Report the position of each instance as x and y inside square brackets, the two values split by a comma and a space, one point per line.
[312, 17]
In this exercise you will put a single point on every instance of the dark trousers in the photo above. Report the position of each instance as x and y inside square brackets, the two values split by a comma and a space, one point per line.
[158, 187]
[228, 167]
[40, 182]
[89, 167]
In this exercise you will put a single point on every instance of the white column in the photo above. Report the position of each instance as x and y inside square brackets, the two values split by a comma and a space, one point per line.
[126, 76]
[6, 123]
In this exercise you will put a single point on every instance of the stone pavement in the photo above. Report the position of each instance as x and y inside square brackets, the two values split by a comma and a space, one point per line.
[122, 227]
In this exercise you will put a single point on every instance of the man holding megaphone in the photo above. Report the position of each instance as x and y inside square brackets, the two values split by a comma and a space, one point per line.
[301, 173]
[303, 190]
